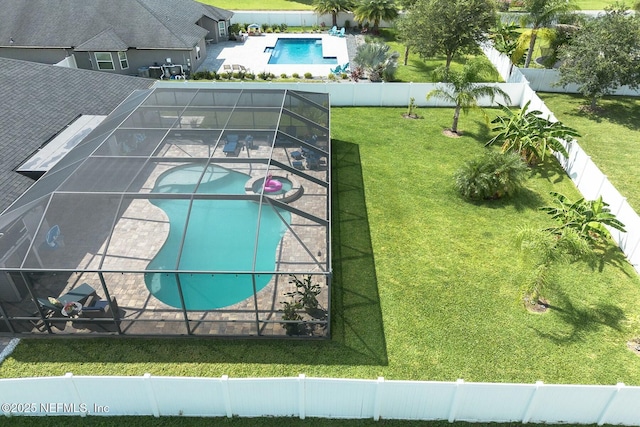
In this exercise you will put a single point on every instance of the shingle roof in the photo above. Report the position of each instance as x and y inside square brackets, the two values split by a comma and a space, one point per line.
[39, 101]
[106, 40]
[142, 24]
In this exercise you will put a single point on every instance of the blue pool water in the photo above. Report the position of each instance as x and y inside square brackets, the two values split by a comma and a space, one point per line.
[221, 235]
[299, 51]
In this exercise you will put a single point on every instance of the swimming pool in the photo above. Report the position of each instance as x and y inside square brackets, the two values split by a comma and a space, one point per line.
[221, 235]
[298, 51]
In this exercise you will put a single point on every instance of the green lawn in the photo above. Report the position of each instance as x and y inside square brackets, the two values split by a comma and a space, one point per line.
[426, 285]
[611, 138]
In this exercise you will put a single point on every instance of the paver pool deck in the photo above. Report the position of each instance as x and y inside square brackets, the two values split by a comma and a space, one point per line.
[251, 54]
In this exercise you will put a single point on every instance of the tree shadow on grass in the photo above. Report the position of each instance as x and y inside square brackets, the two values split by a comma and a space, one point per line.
[357, 328]
[525, 199]
[581, 321]
[623, 111]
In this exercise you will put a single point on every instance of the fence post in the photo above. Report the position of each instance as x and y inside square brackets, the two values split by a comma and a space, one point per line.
[224, 382]
[302, 410]
[153, 402]
[455, 400]
[605, 411]
[579, 178]
[76, 396]
[604, 179]
[531, 406]
[377, 399]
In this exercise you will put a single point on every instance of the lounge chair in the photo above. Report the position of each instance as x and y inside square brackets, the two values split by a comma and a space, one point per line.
[235, 67]
[226, 68]
[333, 31]
[345, 67]
[231, 146]
[78, 294]
[336, 70]
[341, 33]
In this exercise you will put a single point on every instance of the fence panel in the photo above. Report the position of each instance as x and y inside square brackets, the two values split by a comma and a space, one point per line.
[624, 408]
[273, 397]
[339, 398]
[576, 404]
[107, 393]
[480, 402]
[417, 400]
[199, 397]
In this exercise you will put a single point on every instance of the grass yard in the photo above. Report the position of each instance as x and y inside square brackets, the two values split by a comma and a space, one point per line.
[611, 138]
[426, 285]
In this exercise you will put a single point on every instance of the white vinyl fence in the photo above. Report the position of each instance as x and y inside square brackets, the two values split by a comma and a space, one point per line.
[321, 397]
[545, 80]
[297, 18]
[351, 94]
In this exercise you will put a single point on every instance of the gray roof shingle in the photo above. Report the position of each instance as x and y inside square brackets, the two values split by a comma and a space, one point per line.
[39, 101]
[141, 24]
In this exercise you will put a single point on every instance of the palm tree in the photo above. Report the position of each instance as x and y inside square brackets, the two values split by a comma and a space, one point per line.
[463, 89]
[375, 11]
[543, 13]
[376, 60]
[333, 7]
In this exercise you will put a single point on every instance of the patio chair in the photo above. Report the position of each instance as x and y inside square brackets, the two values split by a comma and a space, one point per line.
[78, 294]
[231, 146]
[345, 67]
[336, 70]
[333, 31]
[227, 68]
[235, 67]
[341, 33]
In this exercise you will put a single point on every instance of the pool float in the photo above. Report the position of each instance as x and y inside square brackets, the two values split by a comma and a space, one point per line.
[272, 185]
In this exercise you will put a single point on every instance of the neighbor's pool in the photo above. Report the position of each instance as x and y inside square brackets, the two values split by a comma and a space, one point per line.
[299, 51]
[221, 235]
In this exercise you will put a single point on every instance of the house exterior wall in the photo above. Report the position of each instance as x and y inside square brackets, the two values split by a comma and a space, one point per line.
[140, 58]
[45, 56]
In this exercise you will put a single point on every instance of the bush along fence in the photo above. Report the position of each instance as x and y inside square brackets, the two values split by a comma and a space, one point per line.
[321, 398]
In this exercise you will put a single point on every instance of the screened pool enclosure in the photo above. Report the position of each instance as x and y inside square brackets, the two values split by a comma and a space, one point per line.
[200, 212]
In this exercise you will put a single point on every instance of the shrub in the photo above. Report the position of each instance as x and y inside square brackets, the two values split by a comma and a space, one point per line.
[331, 76]
[268, 30]
[283, 75]
[225, 75]
[264, 27]
[236, 75]
[308, 75]
[283, 27]
[347, 24]
[250, 76]
[295, 75]
[344, 76]
[491, 176]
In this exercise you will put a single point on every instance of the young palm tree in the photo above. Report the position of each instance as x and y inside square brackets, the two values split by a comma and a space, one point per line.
[333, 7]
[543, 13]
[375, 11]
[463, 89]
